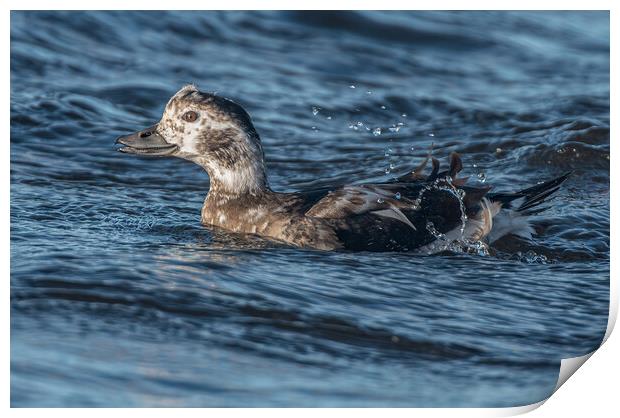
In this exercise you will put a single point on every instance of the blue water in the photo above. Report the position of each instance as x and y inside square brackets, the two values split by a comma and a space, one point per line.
[119, 297]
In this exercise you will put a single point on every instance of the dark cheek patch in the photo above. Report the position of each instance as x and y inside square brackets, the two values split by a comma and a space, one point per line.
[211, 140]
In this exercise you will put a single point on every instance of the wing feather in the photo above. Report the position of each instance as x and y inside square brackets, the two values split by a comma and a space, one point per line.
[394, 213]
[358, 200]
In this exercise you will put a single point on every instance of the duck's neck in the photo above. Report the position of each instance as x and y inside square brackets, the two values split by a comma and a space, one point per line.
[238, 181]
[233, 195]
[241, 179]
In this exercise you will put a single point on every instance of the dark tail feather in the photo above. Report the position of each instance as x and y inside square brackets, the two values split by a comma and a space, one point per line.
[534, 196]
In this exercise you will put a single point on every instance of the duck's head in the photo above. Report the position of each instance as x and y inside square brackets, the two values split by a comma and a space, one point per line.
[211, 131]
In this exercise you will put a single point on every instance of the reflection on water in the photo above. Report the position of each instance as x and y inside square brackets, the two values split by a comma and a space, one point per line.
[119, 297]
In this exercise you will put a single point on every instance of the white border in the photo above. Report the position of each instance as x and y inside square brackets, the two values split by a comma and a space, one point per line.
[592, 392]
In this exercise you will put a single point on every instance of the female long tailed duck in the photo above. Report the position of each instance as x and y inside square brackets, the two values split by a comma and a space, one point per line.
[412, 212]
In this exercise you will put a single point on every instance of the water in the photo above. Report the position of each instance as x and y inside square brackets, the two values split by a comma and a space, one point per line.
[119, 297]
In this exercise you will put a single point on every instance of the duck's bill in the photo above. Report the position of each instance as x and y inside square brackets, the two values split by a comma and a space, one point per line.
[146, 142]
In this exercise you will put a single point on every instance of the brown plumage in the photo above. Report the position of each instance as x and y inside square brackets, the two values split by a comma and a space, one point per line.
[414, 211]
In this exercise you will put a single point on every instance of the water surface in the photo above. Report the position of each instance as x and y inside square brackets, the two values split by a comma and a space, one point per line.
[119, 297]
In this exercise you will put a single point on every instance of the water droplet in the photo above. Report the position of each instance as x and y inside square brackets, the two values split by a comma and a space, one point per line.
[383, 107]
[351, 86]
[498, 150]
[387, 170]
[404, 115]
[431, 134]
[376, 131]
[314, 128]
[380, 200]
[355, 125]
[369, 92]
[388, 151]
[531, 257]
[315, 110]
[397, 196]
[430, 227]
[329, 118]
[482, 177]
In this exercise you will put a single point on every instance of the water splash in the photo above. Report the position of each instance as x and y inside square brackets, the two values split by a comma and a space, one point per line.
[531, 257]
[430, 227]
[356, 125]
[459, 243]
[396, 127]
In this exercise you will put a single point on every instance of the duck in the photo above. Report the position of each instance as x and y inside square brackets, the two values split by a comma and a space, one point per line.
[427, 213]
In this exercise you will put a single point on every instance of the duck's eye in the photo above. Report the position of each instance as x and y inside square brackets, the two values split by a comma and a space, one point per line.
[190, 116]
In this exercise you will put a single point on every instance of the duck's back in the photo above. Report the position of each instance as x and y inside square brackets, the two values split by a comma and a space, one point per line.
[395, 216]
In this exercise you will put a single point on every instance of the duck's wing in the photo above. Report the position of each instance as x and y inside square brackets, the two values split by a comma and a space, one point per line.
[384, 200]
[406, 213]
[408, 192]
